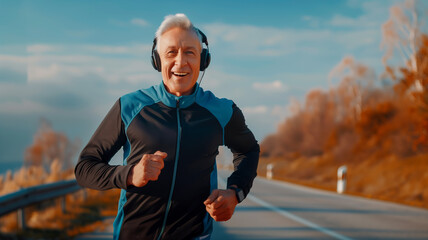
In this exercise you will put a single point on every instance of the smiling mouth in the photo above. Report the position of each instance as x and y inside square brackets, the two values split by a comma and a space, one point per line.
[180, 74]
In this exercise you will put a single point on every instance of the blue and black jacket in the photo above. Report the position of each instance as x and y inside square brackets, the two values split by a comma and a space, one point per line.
[189, 129]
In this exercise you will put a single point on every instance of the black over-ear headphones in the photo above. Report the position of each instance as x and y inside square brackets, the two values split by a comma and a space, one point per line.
[205, 54]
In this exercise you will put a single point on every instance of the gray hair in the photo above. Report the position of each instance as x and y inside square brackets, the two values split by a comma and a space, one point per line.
[178, 20]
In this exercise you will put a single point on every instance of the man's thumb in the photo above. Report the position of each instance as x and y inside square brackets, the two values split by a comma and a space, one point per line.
[162, 154]
[212, 197]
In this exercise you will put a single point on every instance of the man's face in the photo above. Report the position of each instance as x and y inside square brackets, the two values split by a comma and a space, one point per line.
[180, 52]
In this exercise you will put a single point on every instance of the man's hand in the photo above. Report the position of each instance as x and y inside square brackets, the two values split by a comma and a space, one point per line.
[221, 204]
[148, 169]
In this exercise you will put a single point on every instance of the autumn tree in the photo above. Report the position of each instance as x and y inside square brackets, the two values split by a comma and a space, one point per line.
[49, 146]
[402, 35]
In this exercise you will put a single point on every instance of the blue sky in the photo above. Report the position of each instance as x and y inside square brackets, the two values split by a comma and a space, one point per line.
[68, 61]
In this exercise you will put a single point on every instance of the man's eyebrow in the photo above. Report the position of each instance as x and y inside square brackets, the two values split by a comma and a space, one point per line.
[191, 47]
[171, 47]
[185, 48]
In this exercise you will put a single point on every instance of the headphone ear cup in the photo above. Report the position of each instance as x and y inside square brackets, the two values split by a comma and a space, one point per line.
[156, 63]
[205, 59]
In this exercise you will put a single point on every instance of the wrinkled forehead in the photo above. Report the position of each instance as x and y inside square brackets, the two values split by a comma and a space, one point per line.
[179, 37]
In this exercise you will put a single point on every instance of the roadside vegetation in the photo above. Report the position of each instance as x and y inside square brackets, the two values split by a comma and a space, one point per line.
[47, 160]
[376, 126]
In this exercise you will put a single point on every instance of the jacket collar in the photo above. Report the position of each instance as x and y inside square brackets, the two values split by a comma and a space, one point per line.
[171, 100]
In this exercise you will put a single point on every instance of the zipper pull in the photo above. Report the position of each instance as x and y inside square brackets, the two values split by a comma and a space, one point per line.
[177, 105]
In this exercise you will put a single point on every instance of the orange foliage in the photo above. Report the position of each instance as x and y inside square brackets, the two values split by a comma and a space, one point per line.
[419, 97]
[381, 133]
[373, 118]
[47, 160]
[394, 120]
[49, 145]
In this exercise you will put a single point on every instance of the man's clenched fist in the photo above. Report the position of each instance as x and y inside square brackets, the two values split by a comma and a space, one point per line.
[221, 204]
[148, 169]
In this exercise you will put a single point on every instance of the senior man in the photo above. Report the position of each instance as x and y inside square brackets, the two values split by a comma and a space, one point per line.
[170, 134]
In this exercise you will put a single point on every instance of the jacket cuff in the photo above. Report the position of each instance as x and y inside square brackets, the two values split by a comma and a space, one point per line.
[122, 173]
[239, 184]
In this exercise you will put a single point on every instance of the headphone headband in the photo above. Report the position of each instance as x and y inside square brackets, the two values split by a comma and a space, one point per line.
[205, 54]
[204, 38]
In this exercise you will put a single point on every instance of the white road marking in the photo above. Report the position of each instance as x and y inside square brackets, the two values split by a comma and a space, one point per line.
[297, 218]
[292, 216]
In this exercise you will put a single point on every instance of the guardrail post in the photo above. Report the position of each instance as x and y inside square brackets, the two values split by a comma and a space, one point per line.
[21, 219]
[269, 172]
[85, 194]
[341, 179]
[63, 204]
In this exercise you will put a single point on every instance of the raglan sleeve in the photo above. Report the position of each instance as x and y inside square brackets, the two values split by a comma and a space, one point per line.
[93, 169]
[241, 141]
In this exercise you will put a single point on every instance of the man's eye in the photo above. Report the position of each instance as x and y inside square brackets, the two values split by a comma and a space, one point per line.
[190, 52]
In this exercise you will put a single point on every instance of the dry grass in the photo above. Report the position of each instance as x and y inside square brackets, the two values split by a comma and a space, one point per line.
[390, 178]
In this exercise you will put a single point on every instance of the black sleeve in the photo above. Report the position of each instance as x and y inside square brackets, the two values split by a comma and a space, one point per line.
[245, 151]
[92, 169]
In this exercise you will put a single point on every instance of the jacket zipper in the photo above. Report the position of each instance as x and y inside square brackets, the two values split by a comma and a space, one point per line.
[177, 153]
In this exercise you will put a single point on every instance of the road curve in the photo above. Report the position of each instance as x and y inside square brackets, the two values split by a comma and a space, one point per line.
[279, 210]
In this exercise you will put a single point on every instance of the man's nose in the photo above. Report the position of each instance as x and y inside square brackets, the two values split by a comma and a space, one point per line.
[180, 59]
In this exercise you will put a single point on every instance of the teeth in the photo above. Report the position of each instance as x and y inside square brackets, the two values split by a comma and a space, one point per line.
[180, 74]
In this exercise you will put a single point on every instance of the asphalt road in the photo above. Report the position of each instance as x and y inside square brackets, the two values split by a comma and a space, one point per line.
[277, 210]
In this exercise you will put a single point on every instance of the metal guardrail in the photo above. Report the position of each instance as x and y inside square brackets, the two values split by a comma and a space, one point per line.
[28, 196]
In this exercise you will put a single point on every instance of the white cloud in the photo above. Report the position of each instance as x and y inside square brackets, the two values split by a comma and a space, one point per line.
[42, 48]
[275, 86]
[215, 78]
[343, 21]
[38, 73]
[65, 69]
[77, 61]
[313, 21]
[276, 111]
[114, 49]
[249, 40]
[263, 119]
[71, 79]
[253, 41]
[22, 107]
[260, 109]
[132, 49]
[280, 111]
[140, 22]
[363, 21]
[340, 32]
[135, 49]
[11, 60]
[13, 63]
[374, 13]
